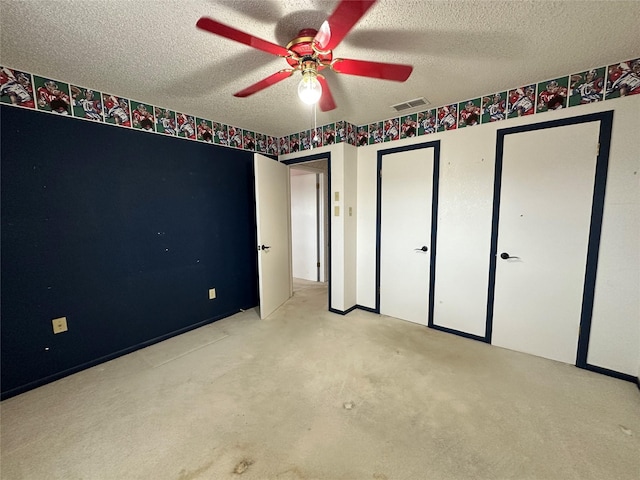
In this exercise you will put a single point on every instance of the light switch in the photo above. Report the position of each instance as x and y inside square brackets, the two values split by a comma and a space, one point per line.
[350, 211]
[337, 196]
[336, 211]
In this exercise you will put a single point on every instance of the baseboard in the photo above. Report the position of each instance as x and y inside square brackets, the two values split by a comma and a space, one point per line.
[593, 368]
[613, 373]
[342, 312]
[460, 333]
[78, 368]
[359, 307]
[367, 309]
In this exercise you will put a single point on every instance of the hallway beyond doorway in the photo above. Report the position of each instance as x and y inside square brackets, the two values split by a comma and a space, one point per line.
[301, 284]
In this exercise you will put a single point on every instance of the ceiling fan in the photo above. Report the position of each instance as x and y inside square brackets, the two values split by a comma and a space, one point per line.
[311, 51]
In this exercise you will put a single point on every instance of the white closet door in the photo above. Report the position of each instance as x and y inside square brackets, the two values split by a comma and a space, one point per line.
[405, 234]
[545, 214]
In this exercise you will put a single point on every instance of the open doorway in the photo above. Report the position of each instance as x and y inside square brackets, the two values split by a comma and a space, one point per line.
[309, 223]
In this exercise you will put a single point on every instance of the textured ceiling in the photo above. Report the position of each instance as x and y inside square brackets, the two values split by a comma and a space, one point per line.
[151, 51]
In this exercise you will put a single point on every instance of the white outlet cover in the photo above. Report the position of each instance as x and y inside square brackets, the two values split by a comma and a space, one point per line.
[212, 293]
[59, 325]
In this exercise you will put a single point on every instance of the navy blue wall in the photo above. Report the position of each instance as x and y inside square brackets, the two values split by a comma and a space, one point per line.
[122, 232]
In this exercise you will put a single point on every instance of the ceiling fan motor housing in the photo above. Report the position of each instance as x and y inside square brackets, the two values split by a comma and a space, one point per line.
[305, 57]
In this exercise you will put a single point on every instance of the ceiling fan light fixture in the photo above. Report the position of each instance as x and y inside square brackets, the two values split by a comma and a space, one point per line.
[309, 88]
[312, 51]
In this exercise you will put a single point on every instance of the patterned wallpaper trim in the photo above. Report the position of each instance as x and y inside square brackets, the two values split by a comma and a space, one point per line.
[26, 90]
[619, 79]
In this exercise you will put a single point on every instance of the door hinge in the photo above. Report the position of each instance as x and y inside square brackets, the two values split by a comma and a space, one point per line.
[381, 173]
[318, 265]
[598, 150]
[318, 186]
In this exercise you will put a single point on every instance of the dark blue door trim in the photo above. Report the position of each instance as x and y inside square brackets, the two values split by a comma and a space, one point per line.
[434, 217]
[311, 158]
[600, 181]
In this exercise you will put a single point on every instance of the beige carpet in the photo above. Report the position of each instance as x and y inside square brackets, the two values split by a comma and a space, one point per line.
[307, 394]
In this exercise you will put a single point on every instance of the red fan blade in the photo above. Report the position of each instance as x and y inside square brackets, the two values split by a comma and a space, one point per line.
[340, 23]
[210, 25]
[262, 84]
[326, 100]
[363, 68]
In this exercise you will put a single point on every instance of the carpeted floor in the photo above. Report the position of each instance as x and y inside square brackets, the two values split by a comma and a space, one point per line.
[307, 394]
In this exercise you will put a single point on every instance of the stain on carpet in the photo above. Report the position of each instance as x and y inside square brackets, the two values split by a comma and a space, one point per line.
[294, 470]
[242, 466]
[191, 474]
[625, 430]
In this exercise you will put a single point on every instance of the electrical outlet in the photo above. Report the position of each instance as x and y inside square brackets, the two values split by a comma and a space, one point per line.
[59, 325]
[212, 293]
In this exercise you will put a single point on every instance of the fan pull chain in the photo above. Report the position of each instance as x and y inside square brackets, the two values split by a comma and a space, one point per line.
[315, 125]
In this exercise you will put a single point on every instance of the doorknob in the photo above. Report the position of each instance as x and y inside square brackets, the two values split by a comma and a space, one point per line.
[423, 249]
[265, 247]
[506, 256]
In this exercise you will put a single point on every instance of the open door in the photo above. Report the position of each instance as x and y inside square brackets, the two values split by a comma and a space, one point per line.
[274, 239]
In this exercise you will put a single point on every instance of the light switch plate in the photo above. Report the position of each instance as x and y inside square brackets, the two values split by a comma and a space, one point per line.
[212, 293]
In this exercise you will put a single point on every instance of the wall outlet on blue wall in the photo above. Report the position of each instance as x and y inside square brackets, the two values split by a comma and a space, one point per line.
[59, 325]
[212, 293]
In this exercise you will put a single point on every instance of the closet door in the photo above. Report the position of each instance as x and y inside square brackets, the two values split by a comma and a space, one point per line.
[545, 209]
[406, 191]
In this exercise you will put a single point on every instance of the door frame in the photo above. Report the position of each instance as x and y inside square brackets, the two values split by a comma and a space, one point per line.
[434, 217]
[321, 268]
[310, 158]
[595, 228]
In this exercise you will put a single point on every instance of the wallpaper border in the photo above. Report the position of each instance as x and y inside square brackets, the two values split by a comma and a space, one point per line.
[27, 90]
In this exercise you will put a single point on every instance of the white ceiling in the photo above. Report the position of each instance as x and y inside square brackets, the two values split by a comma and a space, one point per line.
[151, 51]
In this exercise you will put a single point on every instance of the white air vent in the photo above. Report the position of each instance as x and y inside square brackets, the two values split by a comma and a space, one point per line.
[418, 102]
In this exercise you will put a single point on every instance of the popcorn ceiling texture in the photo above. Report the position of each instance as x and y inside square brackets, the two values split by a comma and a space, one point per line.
[151, 51]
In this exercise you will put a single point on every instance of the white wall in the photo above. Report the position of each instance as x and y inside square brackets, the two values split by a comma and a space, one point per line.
[615, 328]
[350, 215]
[304, 227]
[324, 236]
[366, 225]
[464, 231]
